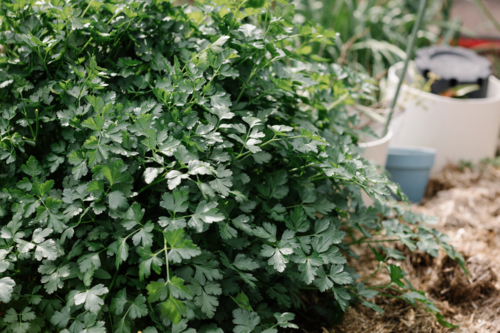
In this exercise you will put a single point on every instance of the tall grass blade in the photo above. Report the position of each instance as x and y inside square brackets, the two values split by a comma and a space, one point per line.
[409, 53]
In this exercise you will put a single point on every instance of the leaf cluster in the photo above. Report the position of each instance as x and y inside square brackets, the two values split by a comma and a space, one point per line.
[179, 169]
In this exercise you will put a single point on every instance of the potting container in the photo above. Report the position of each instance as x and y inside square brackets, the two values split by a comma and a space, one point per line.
[410, 168]
[375, 150]
[458, 129]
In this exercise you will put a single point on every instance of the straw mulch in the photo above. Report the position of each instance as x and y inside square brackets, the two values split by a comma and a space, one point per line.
[467, 203]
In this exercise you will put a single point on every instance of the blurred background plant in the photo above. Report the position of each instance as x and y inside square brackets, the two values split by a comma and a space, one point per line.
[488, 15]
[371, 35]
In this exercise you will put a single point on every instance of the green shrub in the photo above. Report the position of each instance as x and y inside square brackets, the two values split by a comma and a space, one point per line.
[180, 166]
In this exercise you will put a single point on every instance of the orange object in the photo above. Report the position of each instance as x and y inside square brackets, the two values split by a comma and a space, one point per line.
[448, 93]
[480, 44]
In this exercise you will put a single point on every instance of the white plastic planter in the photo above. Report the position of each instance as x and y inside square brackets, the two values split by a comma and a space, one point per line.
[375, 151]
[458, 129]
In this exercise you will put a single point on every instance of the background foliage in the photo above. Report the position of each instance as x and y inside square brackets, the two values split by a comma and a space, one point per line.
[372, 34]
[182, 168]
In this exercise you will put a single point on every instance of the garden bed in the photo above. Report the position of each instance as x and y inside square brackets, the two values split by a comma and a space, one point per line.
[467, 203]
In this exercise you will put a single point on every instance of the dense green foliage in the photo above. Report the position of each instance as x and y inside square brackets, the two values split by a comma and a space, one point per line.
[181, 168]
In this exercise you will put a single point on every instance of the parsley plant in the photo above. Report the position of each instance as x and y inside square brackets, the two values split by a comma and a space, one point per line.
[181, 169]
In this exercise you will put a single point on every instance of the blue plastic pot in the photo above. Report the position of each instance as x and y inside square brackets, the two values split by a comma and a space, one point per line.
[410, 168]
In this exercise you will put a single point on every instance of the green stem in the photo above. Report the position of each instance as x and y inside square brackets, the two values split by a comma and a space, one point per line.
[337, 102]
[373, 274]
[265, 143]
[86, 8]
[43, 61]
[380, 287]
[265, 20]
[303, 167]
[26, 116]
[81, 217]
[113, 280]
[37, 125]
[487, 13]
[395, 289]
[236, 11]
[241, 155]
[64, 48]
[379, 267]
[374, 241]
[162, 178]
[83, 48]
[166, 257]
[112, 17]
[382, 240]
[252, 73]
[409, 53]
[320, 178]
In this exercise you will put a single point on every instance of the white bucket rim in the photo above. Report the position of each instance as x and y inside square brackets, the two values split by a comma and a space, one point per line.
[417, 148]
[487, 100]
[377, 142]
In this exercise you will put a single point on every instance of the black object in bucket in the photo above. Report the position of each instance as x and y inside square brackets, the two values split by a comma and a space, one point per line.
[455, 66]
